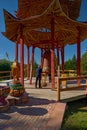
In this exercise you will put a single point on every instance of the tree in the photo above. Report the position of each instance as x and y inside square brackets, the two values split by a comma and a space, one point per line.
[74, 63]
[71, 64]
[68, 65]
[5, 65]
[84, 61]
[34, 68]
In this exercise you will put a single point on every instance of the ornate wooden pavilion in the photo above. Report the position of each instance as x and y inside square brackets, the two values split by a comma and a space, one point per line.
[49, 24]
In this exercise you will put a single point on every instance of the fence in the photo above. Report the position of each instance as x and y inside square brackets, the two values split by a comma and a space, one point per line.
[76, 83]
[8, 74]
[5, 75]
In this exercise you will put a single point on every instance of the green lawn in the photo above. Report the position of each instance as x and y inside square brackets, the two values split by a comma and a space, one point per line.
[75, 117]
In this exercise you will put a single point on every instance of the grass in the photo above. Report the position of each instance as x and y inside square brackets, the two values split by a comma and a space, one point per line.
[75, 117]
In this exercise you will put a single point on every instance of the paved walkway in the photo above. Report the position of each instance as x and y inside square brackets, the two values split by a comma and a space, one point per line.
[37, 114]
[42, 112]
[47, 93]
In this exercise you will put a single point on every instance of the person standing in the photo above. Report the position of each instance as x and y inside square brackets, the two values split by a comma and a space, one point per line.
[38, 76]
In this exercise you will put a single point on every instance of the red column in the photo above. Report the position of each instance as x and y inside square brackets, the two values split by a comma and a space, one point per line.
[22, 59]
[52, 69]
[16, 51]
[32, 64]
[52, 56]
[58, 58]
[58, 62]
[28, 62]
[78, 53]
[62, 55]
[42, 58]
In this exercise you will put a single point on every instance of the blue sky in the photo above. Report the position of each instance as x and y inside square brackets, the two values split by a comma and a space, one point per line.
[8, 46]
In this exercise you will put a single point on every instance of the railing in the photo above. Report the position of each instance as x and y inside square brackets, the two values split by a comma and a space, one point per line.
[8, 74]
[73, 72]
[5, 74]
[66, 85]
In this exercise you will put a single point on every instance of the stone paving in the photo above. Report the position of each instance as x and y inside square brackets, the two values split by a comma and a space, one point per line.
[37, 114]
[41, 112]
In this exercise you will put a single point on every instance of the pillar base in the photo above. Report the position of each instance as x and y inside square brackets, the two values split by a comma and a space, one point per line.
[18, 100]
[16, 89]
[30, 81]
[5, 107]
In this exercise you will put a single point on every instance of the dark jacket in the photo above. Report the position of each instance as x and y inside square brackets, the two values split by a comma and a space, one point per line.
[38, 72]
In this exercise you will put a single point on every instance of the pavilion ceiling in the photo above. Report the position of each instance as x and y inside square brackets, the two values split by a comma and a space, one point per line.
[66, 30]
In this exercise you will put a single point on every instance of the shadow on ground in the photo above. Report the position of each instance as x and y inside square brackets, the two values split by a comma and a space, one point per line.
[34, 108]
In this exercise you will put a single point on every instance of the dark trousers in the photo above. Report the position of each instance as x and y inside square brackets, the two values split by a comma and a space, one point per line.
[38, 79]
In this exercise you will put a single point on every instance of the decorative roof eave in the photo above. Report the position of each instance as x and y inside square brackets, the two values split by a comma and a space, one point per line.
[61, 20]
[43, 39]
[62, 23]
[28, 8]
[71, 8]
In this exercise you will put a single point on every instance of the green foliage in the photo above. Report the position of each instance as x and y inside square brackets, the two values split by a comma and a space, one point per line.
[75, 117]
[74, 63]
[68, 65]
[71, 64]
[56, 61]
[34, 68]
[5, 65]
[84, 62]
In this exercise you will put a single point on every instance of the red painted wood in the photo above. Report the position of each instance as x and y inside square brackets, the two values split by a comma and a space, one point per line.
[32, 71]
[62, 55]
[22, 59]
[52, 56]
[58, 58]
[78, 53]
[42, 58]
[58, 62]
[28, 61]
[16, 51]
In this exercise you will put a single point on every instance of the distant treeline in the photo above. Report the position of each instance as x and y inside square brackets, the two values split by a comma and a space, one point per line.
[71, 64]
[5, 65]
